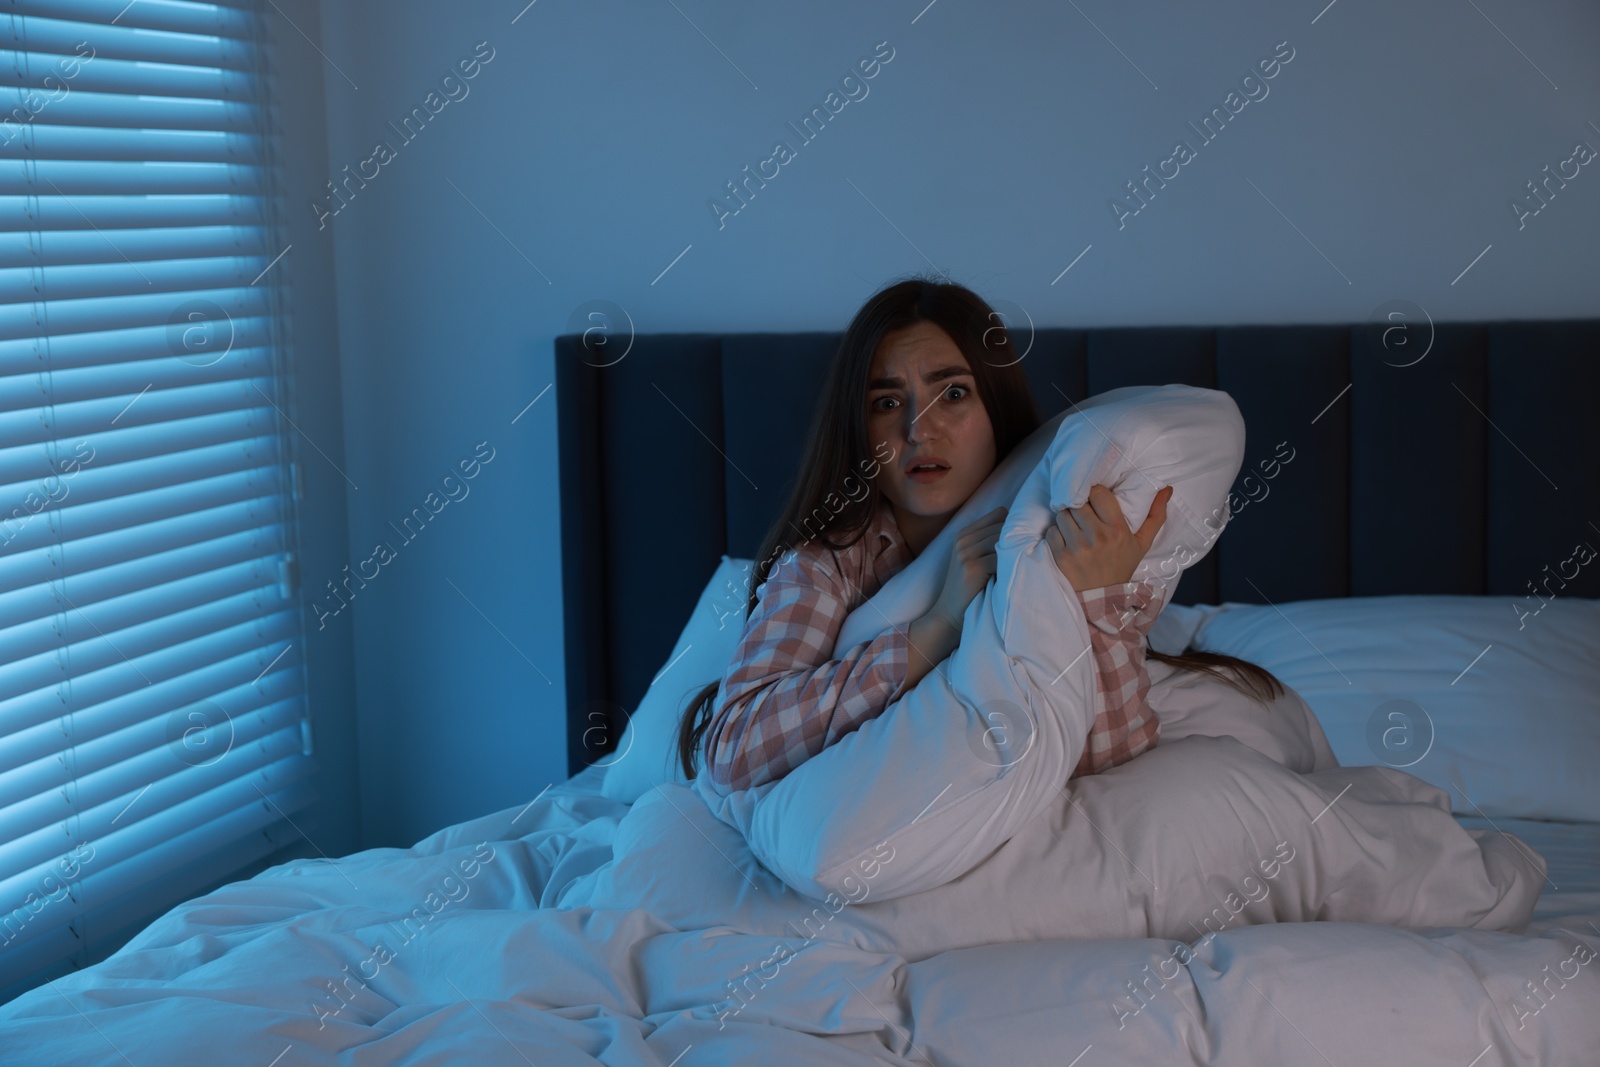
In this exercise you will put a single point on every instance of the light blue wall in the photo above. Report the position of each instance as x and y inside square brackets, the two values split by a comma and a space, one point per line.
[1378, 167]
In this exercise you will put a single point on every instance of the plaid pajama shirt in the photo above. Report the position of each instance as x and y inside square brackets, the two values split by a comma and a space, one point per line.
[783, 700]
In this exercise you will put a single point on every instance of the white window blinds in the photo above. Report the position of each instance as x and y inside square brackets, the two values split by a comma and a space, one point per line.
[153, 730]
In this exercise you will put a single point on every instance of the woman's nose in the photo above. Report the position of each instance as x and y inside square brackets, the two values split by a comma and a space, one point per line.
[919, 424]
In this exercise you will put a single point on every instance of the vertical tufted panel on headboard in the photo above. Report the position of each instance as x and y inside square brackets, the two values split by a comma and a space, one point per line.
[1418, 468]
[1289, 537]
[642, 489]
[770, 386]
[1475, 469]
[1544, 458]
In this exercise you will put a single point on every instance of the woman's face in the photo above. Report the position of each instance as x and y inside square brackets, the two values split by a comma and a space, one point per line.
[923, 402]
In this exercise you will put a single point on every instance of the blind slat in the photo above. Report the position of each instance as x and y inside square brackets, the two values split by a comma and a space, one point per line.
[108, 93]
[65, 247]
[151, 422]
[198, 45]
[50, 141]
[100, 348]
[55, 77]
[82, 281]
[112, 213]
[128, 378]
[220, 20]
[75, 177]
[233, 298]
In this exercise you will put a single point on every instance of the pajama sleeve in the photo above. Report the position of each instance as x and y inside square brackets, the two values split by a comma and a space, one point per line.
[1119, 616]
[783, 700]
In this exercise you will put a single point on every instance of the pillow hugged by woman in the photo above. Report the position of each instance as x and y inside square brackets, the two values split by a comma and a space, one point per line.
[925, 383]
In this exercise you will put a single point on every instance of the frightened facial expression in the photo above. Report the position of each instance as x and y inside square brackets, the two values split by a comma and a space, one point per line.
[922, 400]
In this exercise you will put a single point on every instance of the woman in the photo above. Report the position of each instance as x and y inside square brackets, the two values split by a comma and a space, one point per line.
[923, 377]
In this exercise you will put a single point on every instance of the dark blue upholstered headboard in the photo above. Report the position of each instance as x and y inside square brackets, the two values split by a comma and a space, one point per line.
[1469, 470]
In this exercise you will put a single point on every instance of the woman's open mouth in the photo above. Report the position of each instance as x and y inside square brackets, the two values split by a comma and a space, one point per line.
[927, 473]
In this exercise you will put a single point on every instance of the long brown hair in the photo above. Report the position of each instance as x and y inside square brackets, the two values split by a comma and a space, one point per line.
[838, 443]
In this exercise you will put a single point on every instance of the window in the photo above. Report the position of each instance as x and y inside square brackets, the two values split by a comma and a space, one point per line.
[154, 737]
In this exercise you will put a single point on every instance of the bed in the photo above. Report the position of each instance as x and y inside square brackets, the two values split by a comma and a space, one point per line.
[573, 929]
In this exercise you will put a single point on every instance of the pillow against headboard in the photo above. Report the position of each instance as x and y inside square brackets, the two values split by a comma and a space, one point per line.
[1494, 699]
[648, 753]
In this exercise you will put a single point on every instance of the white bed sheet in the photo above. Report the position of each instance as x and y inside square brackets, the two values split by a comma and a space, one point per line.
[1571, 896]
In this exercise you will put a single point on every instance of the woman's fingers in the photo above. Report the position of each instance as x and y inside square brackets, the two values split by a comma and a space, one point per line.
[978, 527]
[1102, 503]
[1073, 526]
[1099, 526]
[986, 537]
[1155, 519]
[979, 536]
[975, 535]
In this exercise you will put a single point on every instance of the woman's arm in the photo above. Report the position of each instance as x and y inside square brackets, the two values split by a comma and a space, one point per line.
[1119, 617]
[931, 639]
[782, 700]
[1097, 551]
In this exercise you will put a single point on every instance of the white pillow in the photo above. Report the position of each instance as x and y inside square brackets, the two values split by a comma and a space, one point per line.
[1500, 710]
[1133, 440]
[648, 753]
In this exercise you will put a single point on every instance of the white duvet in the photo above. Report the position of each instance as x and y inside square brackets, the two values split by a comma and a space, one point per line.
[576, 930]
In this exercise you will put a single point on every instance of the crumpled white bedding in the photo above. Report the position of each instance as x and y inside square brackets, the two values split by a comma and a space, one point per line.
[576, 930]
[1230, 896]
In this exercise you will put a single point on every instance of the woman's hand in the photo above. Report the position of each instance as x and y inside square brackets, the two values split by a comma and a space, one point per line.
[972, 564]
[1093, 545]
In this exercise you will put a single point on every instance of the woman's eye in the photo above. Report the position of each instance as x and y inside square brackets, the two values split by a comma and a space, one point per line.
[962, 392]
